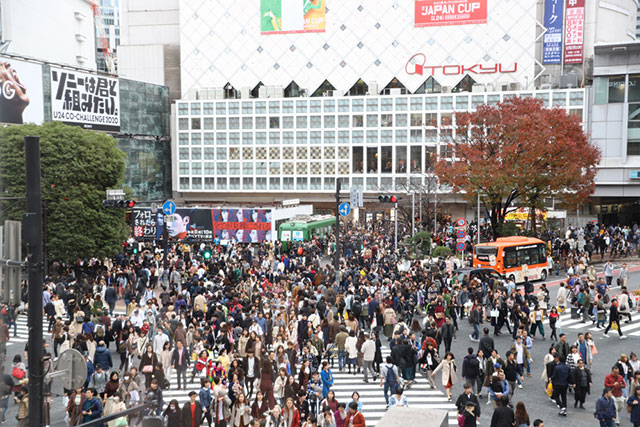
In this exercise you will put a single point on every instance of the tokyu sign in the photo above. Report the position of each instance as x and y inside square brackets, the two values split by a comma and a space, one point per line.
[417, 64]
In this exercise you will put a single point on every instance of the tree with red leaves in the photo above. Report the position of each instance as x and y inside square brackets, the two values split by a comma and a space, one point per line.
[516, 154]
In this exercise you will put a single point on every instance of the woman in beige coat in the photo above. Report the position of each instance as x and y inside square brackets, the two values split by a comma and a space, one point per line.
[240, 412]
[449, 378]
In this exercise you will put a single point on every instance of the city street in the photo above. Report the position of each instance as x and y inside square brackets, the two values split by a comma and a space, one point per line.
[533, 393]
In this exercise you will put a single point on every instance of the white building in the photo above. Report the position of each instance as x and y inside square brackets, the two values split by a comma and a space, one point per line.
[60, 31]
[149, 48]
[274, 105]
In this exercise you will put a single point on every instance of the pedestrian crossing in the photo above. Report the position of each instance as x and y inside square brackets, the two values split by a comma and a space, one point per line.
[419, 395]
[567, 323]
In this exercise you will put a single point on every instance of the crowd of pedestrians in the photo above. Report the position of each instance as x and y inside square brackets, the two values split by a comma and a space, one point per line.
[259, 330]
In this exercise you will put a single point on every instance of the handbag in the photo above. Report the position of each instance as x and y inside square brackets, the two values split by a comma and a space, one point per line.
[495, 313]
[147, 369]
[121, 422]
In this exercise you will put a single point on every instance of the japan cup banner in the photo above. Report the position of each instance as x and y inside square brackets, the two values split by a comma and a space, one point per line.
[432, 13]
[574, 32]
[86, 100]
[552, 39]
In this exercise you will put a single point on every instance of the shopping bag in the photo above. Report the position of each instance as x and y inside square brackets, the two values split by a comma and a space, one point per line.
[614, 326]
[549, 389]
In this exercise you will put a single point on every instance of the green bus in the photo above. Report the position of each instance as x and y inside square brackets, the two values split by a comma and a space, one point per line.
[303, 228]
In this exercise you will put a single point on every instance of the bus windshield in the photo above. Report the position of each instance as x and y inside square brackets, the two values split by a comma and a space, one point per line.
[483, 253]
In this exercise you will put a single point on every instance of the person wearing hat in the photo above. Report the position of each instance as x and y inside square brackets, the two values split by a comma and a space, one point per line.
[192, 411]
[470, 414]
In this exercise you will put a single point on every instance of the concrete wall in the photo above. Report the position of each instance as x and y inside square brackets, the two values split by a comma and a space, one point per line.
[60, 31]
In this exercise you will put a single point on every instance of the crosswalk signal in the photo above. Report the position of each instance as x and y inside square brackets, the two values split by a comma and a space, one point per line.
[128, 204]
[387, 198]
[206, 254]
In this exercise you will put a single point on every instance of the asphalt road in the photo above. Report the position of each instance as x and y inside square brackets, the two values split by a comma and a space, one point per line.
[533, 394]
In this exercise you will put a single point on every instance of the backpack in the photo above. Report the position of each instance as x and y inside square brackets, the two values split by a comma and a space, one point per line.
[460, 420]
[99, 331]
[18, 373]
[391, 377]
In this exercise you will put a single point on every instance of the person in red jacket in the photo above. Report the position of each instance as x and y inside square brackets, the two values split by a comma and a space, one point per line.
[291, 414]
[616, 383]
[354, 417]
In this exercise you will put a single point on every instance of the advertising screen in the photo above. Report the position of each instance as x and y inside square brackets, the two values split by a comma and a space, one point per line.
[432, 13]
[205, 225]
[292, 16]
[574, 32]
[21, 96]
[552, 40]
[86, 100]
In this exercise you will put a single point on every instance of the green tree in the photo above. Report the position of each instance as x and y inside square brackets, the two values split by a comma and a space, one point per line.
[77, 167]
[420, 243]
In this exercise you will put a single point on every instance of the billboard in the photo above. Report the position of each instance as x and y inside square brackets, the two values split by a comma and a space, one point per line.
[552, 39]
[574, 32]
[205, 225]
[21, 99]
[86, 100]
[433, 13]
[292, 16]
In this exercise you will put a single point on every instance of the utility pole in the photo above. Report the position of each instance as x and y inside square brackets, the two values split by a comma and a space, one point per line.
[420, 198]
[336, 261]
[395, 216]
[413, 213]
[435, 210]
[33, 238]
[165, 245]
[478, 216]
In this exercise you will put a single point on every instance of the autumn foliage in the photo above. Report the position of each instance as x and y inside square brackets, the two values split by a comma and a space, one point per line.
[516, 153]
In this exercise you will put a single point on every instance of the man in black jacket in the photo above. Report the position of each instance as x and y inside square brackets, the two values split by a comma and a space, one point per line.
[468, 396]
[486, 342]
[471, 368]
[192, 411]
[511, 372]
[503, 415]
[251, 367]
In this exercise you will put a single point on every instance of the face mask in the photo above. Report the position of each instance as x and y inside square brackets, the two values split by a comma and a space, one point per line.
[116, 399]
[173, 408]
[126, 378]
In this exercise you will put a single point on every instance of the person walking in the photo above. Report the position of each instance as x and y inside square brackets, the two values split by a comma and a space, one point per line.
[466, 397]
[180, 362]
[560, 381]
[581, 382]
[614, 319]
[633, 407]
[389, 378]
[449, 378]
[368, 355]
[616, 383]
[521, 416]
[605, 409]
[471, 369]
[503, 416]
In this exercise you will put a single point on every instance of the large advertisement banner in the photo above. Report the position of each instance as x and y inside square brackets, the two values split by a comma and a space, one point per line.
[292, 16]
[205, 225]
[86, 100]
[21, 98]
[574, 32]
[552, 40]
[432, 13]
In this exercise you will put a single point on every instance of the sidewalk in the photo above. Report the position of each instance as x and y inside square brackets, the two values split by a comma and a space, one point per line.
[633, 266]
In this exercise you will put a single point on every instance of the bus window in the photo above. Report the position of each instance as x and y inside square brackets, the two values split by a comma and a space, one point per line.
[484, 253]
[510, 260]
[524, 256]
[542, 254]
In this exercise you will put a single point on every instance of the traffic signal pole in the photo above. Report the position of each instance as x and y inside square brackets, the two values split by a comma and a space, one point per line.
[336, 260]
[33, 238]
[395, 239]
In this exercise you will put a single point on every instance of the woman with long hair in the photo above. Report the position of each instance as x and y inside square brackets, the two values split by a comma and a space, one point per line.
[172, 414]
[240, 412]
[259, 407]
[448, 367]
[522, 417]
[291, 414]
[330, 402]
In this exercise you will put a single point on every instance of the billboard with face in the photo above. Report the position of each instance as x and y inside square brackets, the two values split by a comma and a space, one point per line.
[21, 98]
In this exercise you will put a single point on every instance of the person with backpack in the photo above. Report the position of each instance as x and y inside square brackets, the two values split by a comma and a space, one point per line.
[102, 357]
[471, 368]
[389, 378]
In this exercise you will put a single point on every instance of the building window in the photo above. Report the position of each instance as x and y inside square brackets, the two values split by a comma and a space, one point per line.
[183, 124]
[274, 107]
[343, 121]
[261, 138]
[208, 138]
[221, 123]
[401, 159]
[329, 122]
[301, 137]
[329, 137]
[208, 108]
[234, 168]
[234, 108]
[431, 103]
[209, 183]
[234, 123]
[372, 184]
[247, 123]
[261, 107]
[315, 106]
[209, 168]
[184, 183]
[386, 120]
[416, 119]
[287, 137]
[372, 159]
[301, 122]
[287, 183]
[287, 107]
[357, 106]
[357, 157]
[261, 183]
[261, 168]
[415, 135]
[401, 104]
[357, 121]
[386, 136]
[247, 107]
[221, 108]
[196, 168]
[247, 168]
[343, 137]
[183, 138]
[329, 106]
[247, 138]
[196, 153]
[329, 183]
[287, 122]
[222, 183]
[247, 183]
[184, 168]
[386, 104]
[207, 123]
[183, 109]
[401, 120]
[301, 106]
[372, 137]
[261, 122]
[372, 120]
[446, 103]
[301, 183]
[386, 160]
[274, 122]
[221, 153]
[416, 159]
[401, 136]
[343, 105]
[234, 183]
[357, 137]
[372, 104]
[316, 122]
[416, 103]
[274, 183]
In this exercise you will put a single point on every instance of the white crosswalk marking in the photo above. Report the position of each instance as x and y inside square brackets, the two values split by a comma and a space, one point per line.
[419, 395]
[567, 323]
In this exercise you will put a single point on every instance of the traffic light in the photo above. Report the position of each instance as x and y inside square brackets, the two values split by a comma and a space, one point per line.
[206, 253]
[128, 204]
[388, 198]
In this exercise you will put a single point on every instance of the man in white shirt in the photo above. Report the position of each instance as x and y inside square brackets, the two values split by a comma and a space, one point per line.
[369, 353]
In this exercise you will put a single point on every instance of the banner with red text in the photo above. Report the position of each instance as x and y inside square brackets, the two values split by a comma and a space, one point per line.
[574, 32]
[432, 13]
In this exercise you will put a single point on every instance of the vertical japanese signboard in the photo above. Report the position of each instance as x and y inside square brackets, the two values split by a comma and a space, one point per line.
[86, 100]
[552, 41]
[574, 32]
[144, 224]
